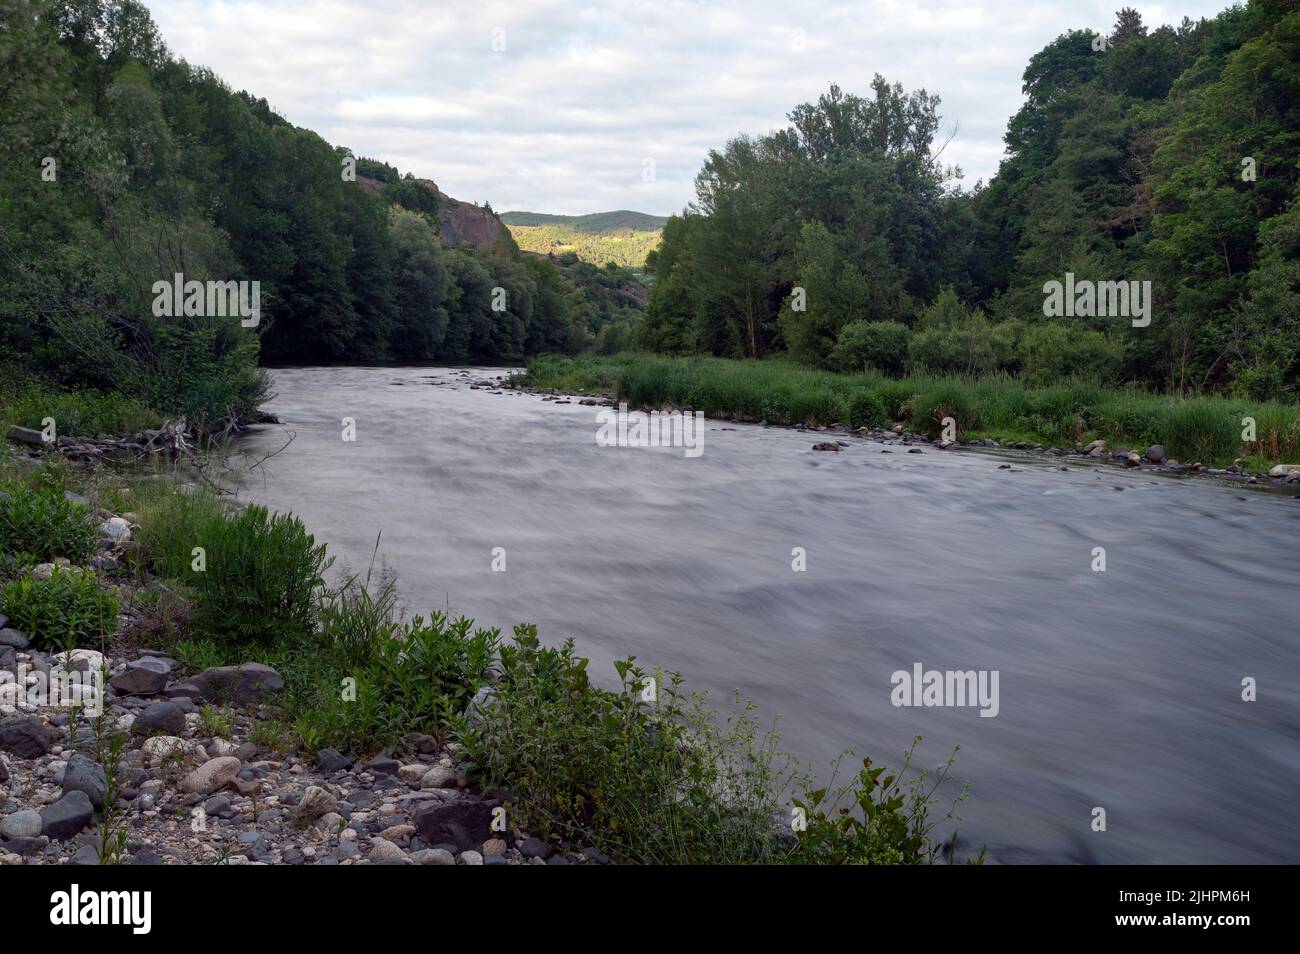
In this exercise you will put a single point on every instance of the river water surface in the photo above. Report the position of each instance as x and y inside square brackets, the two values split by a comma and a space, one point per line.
[1118, 689]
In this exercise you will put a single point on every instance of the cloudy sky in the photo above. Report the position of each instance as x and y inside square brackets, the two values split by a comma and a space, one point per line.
[569, 106]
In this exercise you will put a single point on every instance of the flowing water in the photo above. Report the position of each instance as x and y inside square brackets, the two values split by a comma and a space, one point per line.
[1119, 689]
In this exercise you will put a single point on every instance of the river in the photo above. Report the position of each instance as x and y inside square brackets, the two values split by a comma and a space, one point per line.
[1119, 689]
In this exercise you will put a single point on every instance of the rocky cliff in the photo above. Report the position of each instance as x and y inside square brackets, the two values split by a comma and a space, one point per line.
[461, 223]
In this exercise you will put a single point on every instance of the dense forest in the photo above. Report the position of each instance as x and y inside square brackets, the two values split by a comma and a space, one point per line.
[121, 165]
[1166, 156]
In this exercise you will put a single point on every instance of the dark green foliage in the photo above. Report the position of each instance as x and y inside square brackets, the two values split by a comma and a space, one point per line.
[880, 818]
[69, 609]
[40, 524]
[1128, 161]
[645, 772]
[263, 577]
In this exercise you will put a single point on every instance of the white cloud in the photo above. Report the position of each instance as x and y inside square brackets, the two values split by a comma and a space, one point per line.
[553, 105]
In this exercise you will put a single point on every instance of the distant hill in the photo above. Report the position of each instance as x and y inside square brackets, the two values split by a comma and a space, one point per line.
[597, 223]
[621, 237]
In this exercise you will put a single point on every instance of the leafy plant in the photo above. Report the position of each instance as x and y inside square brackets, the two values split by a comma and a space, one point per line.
[67, 609]
[877, 819]
[646, 772]
[43, 524]
[262, 579]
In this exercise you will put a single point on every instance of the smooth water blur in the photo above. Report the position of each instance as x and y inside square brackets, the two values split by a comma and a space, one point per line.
[1119, 689]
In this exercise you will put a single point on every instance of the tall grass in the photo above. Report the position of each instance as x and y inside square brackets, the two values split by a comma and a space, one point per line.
[75, 413]
[1208, 429]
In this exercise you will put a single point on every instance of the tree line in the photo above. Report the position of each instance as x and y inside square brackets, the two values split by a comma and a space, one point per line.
[121, 165]
[1166, 156]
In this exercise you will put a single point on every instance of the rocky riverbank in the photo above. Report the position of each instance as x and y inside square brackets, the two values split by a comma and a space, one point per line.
[196, 782]
[116, 755]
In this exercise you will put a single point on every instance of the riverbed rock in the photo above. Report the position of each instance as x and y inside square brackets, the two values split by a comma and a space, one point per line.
[439, 776]
[211, 776]
[26, 737]
[243, 684]
[160, 718]
[86, 775]
[26, 435]
[142, 677]
[1284, 471]
[1156, 454]
[826, 446]
[161, 747]
[13, 637]
[331, 760]
[316, 802]
[463, 824]
[21, 824]
[115, 530]
[67, 817]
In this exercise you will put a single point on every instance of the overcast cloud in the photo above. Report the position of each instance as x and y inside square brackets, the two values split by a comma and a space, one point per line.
[556, 106]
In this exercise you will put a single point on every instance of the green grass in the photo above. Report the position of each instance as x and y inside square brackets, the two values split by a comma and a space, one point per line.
[75, 413]
[1207, 429]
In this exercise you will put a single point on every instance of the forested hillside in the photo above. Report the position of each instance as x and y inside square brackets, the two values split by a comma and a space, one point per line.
[121, 166]
[1166, 156]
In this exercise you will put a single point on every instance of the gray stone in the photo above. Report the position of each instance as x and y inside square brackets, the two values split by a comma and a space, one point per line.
[211, 776]
[68, 816]
[13, 637]
[142, 677]
[434, 856]
[85, 855]
[26, 737]
[242, 684]
[26, 435]
[86, 775]
[463, 824]
[160, 718]
[331, 760]
[1156, 454]
[534, 848]
[21, 824]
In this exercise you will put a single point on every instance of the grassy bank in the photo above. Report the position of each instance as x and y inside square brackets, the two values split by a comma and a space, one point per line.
[81, 413]
[1208, 429]
[646, 772]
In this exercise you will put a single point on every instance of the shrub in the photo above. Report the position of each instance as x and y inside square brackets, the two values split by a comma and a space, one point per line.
[43, 524]
[867, 410]
[872, 344]
[68, 609]
[662, 782]
[262, 580]
[950, 399]
[875, 820]
[1052, 352]
[420, 675]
